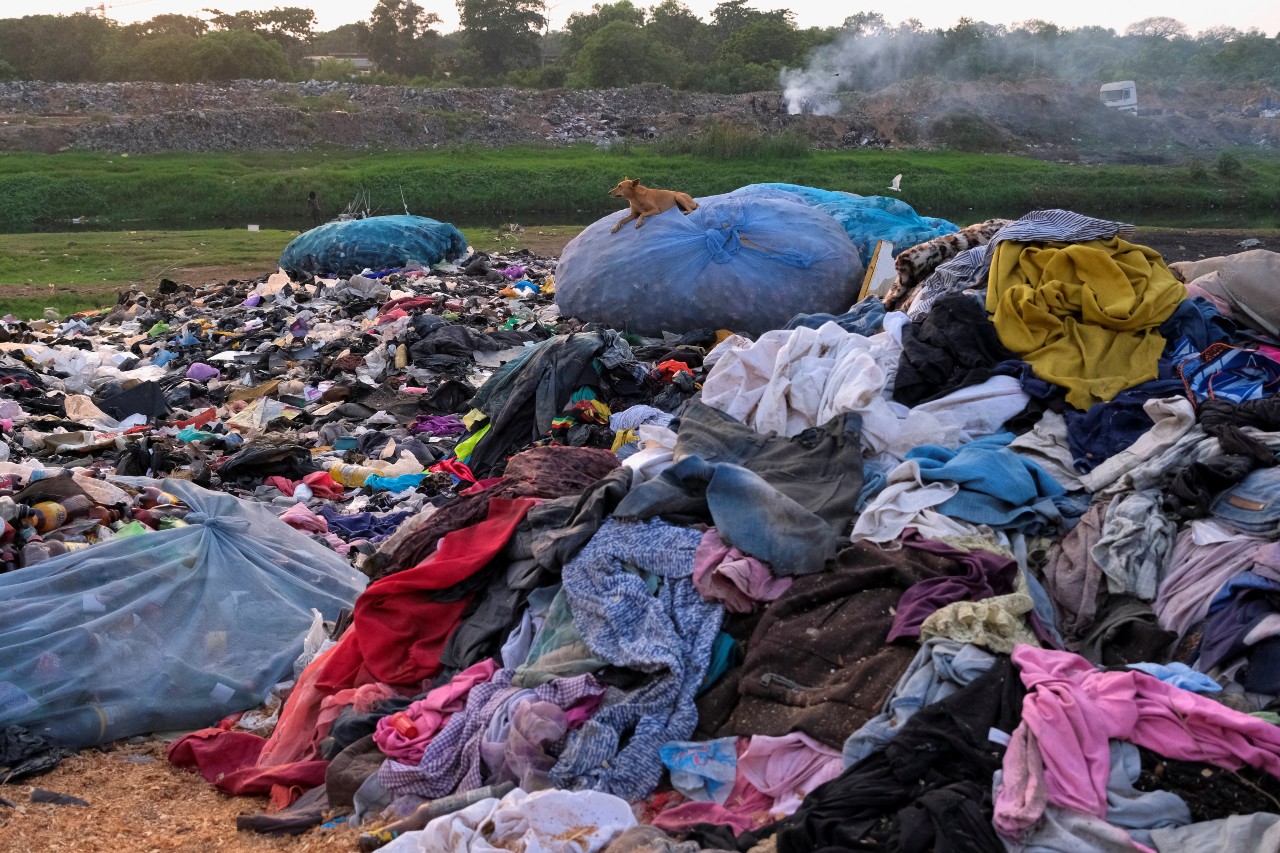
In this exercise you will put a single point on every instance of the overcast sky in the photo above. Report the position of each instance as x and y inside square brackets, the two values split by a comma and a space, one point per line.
[1241, 14]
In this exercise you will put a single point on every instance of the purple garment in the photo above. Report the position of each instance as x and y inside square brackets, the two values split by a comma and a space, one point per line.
[534, 735]
[446, 425]
[1197, 573]
[725, 574]
[984, 575]
[453, 761]
[202, 372]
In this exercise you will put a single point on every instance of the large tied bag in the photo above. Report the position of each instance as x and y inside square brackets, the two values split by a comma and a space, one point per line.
[173, 629]
[376, 243]
[746, 262]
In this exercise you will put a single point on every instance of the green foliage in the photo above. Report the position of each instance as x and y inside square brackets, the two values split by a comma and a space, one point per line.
[1196, 170]
[622, 54]
[1228, 165]
[399, 37]
[502, 35]
[721, 141]
[764, 40]
[7, 71]
[583, 25]
[238, 55]
[528, 184]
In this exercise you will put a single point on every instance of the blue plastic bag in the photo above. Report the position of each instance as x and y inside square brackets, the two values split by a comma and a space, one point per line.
[748, 262]
[376, 243]
[867, 219]
[173, 629]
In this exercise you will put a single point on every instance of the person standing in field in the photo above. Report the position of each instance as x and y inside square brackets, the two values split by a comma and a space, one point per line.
[314, 204]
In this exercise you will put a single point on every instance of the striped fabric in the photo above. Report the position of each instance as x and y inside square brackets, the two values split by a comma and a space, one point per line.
[969, 268]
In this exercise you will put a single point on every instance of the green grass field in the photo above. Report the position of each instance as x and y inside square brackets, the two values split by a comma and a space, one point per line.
[473, 184]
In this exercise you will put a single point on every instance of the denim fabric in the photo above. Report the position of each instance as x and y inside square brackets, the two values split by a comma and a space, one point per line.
[866, 318]
[820, 469]
[1254, 504]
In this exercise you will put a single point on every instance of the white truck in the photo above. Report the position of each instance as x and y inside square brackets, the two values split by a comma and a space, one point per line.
[1121, 95]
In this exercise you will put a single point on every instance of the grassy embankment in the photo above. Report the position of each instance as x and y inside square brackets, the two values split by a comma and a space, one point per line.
[76, 270]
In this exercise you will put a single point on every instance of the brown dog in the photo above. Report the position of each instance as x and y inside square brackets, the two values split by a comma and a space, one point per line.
[646, 202]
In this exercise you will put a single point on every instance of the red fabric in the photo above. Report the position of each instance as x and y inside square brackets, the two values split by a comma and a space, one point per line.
[398, 631]
[323, 486]
[229, 760]
[408, 303]
[205, 417]
[454, 467]
[284, 484]
[481, 486]
[668, 369]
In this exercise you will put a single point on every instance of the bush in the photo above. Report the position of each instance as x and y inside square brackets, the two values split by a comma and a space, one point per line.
[1229, 165]
[967, 132]
[1196, 170]
[722, 141]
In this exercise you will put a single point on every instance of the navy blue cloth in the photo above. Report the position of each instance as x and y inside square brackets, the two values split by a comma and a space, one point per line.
[1107, 428]
[1199, 322]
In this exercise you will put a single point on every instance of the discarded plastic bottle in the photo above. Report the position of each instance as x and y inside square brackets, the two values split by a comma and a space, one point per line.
[50, 515]
[351, 476]
[427, 812]
[153, 497]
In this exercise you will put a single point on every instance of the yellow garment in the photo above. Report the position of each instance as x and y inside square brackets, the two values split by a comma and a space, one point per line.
[1083, 315]
[623, 437]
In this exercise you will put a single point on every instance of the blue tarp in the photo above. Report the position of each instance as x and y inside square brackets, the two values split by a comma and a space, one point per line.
[376, 243]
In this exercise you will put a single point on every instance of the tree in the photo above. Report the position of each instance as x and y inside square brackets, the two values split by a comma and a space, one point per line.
[765, 40]
[865, 24]
[166, 25]
[647, 61]
[1159, 26]
[67, 48]
[672, 23]
[348, 38]
[1220, 34]
[399, 37]
[582, 25]
[238, 55]
[501, 34]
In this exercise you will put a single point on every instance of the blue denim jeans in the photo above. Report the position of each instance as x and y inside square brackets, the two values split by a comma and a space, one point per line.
[1253, 504]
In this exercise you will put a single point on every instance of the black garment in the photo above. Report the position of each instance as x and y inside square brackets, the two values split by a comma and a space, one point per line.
[308, 811]
[526, 394]
[1225, 421]
[24, 753]
[1125, 631]
[145, 398]
[940, 350]
[252, 465]
[1193, 488]
[562, 526]
[928, 790]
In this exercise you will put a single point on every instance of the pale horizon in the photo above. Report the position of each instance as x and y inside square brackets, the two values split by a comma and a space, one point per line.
[808, 13]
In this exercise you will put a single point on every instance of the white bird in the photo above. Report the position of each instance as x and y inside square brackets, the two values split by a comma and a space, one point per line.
[896, 186]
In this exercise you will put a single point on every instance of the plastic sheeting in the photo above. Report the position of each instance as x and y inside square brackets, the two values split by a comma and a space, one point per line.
[867, 219]
[376, 243]
[167, 630]
[749, 260]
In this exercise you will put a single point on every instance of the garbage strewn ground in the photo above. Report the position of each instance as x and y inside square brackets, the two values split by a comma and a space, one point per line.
[385, 551]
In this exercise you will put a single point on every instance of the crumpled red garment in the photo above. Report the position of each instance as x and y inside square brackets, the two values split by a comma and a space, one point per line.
[454, 467]
[668, 369]
[398, 630]
[229, 760]
[322, 485]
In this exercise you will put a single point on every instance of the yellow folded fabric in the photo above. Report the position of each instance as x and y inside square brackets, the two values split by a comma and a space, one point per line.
[1083, 315]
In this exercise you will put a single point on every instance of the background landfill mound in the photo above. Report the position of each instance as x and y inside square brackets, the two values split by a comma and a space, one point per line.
[1042, 118]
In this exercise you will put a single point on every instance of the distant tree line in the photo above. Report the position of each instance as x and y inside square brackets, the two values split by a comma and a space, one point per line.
[508, 42]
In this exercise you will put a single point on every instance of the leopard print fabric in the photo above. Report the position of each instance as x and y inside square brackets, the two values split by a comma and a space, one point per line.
[915, 264]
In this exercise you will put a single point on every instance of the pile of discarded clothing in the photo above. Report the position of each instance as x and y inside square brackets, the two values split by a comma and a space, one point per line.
[996, 571]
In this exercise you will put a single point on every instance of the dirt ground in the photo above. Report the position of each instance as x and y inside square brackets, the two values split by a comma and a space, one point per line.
[140, 803]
